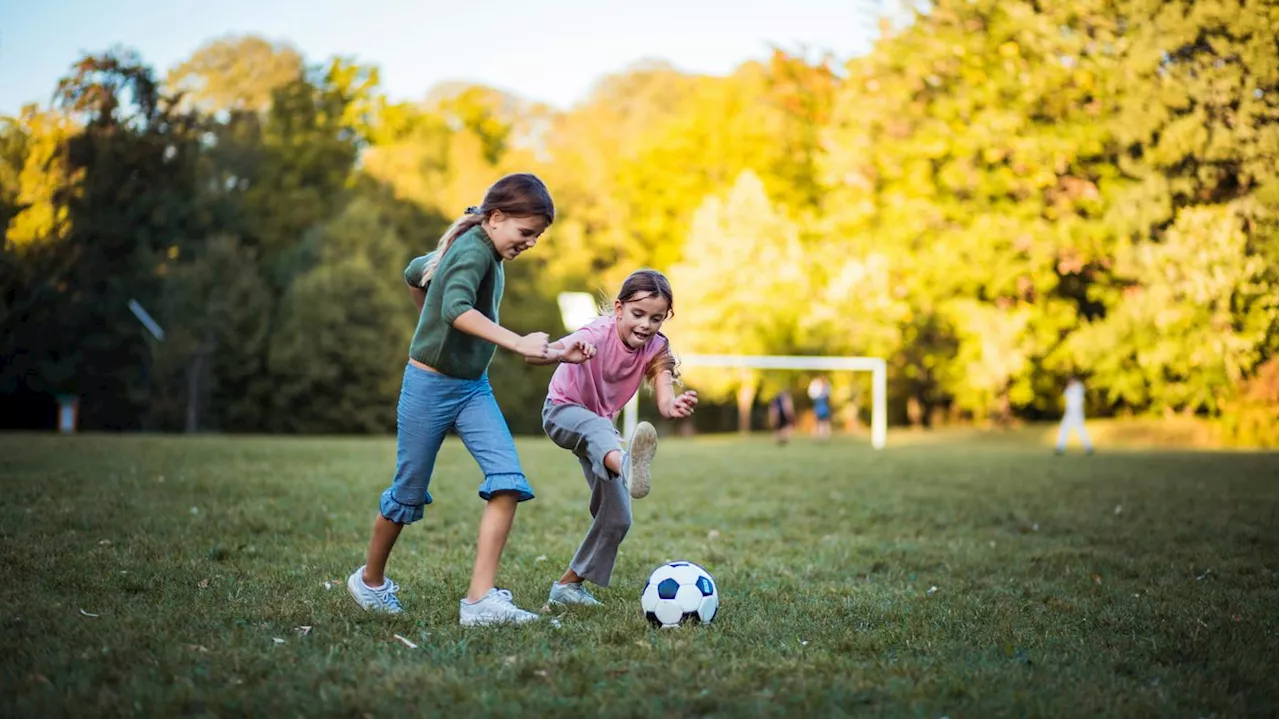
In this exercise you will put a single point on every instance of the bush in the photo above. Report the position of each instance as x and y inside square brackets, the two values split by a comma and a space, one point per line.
[1253, 418]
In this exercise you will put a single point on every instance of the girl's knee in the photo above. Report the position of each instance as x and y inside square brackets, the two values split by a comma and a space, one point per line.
[612, 463]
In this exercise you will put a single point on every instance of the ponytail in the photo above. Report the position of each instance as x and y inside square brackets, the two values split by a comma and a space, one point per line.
[456, 230]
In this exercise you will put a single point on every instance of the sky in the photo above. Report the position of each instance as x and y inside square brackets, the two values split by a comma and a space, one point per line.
[548, 50]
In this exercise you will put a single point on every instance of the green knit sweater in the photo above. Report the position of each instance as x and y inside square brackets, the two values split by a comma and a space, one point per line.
[468, 277]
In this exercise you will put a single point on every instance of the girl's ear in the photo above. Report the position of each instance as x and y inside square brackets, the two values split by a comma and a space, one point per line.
[617, 308]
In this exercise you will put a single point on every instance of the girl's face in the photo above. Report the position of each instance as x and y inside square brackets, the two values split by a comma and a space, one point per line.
[512, 235]
[640, 318]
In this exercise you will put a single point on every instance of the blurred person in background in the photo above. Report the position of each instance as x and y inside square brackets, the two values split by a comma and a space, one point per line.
[1073, 417]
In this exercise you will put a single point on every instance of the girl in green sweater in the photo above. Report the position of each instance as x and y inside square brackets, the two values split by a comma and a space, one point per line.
[458, 289]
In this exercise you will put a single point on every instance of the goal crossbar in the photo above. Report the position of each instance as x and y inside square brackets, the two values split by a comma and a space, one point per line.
[874, 365]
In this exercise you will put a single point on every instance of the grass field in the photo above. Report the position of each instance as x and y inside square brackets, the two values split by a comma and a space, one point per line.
[971, 577]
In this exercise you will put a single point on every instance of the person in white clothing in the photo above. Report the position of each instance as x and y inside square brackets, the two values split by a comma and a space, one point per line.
[1073, 417]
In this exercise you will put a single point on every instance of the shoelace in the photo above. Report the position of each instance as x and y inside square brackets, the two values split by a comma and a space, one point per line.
[504, 595]
[388, 594]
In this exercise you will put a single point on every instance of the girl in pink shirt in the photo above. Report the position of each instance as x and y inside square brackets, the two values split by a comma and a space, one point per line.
[583, 400]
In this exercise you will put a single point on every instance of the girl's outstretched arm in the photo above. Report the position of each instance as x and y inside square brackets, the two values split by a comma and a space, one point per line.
[573, 352]
[670, 405]
[473, 322]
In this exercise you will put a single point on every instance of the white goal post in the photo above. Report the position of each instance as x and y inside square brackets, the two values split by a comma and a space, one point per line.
[579, 308]
[874, 365]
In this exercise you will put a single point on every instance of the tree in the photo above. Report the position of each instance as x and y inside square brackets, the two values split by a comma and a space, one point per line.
[963, 149]
[998, 194]
[214, 307]
[1194, 322]
[36, 170]
[234, 74]
[15, 140]
[995, 347]
[742, 287]
[314, 130]
[121, 201]
[336, 355]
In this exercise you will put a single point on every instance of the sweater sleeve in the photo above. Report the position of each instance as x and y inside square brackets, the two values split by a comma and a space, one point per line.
[461, 270]
[413, 273]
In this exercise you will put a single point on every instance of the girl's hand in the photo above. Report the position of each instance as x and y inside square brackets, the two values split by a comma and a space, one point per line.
[683, 405]
[533, 345]
[577, 352]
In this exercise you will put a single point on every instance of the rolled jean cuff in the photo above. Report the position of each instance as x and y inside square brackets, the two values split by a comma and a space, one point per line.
[399, 512]
[506, 483]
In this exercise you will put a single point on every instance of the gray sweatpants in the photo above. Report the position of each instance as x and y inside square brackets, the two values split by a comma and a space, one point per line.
[590, 437]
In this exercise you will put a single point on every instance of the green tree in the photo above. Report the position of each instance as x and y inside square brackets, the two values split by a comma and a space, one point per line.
[1195, 319]
[213, 307]
[313, 132]
[441, 155]
[234, 74]
[742, 287]
[337, 353]
[123, 203]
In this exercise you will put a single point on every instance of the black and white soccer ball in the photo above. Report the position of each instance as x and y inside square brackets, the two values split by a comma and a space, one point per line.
[679, 592]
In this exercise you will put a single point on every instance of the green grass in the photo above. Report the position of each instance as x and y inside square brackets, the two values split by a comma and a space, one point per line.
[1123, 584]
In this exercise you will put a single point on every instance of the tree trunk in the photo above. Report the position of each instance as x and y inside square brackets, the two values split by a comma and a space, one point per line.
[195, 379]
[1004, 410]
[915, 412]
[193, 393]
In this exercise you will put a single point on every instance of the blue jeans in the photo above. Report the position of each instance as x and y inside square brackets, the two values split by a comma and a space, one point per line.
[430, 405]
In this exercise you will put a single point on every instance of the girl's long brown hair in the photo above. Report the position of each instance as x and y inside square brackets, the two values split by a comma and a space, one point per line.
[519, 195]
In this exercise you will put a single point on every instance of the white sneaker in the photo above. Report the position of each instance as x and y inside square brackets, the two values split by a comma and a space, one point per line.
[495, 607]
[383, 599]
[641, 449]
[571, 593]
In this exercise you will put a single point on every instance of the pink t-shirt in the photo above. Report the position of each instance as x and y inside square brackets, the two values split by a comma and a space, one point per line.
[604, 383]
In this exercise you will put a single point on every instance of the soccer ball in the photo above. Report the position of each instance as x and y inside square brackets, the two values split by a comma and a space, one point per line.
[679, 592]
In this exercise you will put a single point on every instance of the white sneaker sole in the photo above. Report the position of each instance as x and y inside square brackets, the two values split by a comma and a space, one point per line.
[351, 589]
[490, 620]
[640, 453]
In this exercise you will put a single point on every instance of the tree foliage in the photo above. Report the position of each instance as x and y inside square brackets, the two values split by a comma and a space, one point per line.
[996, 195]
